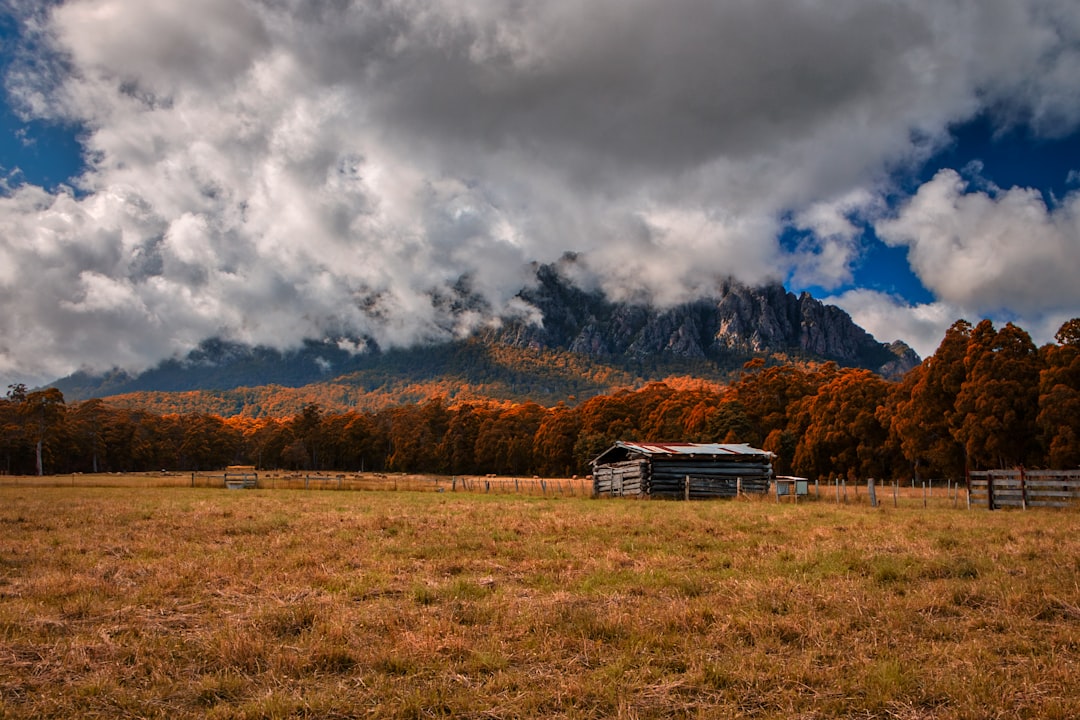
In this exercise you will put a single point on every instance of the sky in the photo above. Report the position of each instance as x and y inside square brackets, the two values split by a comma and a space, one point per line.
[266, 171]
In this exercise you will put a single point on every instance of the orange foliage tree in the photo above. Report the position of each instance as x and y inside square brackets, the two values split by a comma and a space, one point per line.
[1059, 398]
[985, 398]
[921, 414]
[997, 406]
[840, 430]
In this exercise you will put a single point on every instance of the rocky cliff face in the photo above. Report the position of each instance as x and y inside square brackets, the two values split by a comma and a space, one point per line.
[739, 321]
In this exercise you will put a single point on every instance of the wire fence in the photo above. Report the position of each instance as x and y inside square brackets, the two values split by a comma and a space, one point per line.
[278, 480]
[1003, 489]
[930, 493]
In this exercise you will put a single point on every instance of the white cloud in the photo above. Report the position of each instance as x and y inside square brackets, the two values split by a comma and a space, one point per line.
[826, 256]
[923, 325]
[889, 318]
[272, 171]
[991, 253]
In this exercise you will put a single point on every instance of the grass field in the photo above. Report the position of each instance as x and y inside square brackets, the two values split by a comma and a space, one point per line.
[178, 602]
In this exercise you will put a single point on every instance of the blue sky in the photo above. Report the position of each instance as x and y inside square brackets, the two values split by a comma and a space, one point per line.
[990, 154]
[272, 173]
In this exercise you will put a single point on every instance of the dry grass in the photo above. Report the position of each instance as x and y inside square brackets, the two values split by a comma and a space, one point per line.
[179, 602]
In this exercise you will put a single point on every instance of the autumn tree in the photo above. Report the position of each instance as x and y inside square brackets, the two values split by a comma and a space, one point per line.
[416, 433]
[770, 395]
[997, 406]
[725, 420]
[87, 420]
[677, 416]
[771, 398]
[922, 414]
[553, 443]
[13, 438]
[604, 420]
[1059, 398]
[206, 442]
[841, 432]
[504, 444]
[306, 437]
[459, 442]
[43, 410]
[351, 441]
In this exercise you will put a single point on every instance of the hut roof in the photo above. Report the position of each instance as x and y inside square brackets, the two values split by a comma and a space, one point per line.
[625, 450]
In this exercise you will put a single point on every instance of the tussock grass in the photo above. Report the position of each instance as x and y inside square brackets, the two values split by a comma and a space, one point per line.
[179, 602]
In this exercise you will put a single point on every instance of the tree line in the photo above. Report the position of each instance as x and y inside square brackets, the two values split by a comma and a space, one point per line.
[987, 398]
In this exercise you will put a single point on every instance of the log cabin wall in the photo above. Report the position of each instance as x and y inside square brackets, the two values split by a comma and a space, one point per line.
[681, 470]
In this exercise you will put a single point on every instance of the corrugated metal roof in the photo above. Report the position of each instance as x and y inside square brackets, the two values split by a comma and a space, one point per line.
[621, 449]
[692, 448]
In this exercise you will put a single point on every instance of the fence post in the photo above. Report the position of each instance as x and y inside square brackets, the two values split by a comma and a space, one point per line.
[1023, 488]
[871, 491]
[990, 490]
[895, 493]
[686, 489]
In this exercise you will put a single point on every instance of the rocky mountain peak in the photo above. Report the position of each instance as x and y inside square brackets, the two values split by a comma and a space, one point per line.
[737, 321]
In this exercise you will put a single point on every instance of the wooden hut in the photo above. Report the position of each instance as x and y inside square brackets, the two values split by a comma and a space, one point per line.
[681, 470]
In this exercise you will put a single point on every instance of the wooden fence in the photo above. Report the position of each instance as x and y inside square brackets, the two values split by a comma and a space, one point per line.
[490, 485]
[996, 489]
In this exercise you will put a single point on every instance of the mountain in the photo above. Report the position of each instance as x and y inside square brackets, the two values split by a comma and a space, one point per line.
[584, 346]
[735, 324]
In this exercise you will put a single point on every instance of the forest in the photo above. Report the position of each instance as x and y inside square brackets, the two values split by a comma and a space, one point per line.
[987, 398]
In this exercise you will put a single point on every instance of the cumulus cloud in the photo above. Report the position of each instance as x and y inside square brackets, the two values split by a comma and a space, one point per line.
[1003, 250]
[269, 171]
[983, 252]
[922, 325]
[888, 317]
